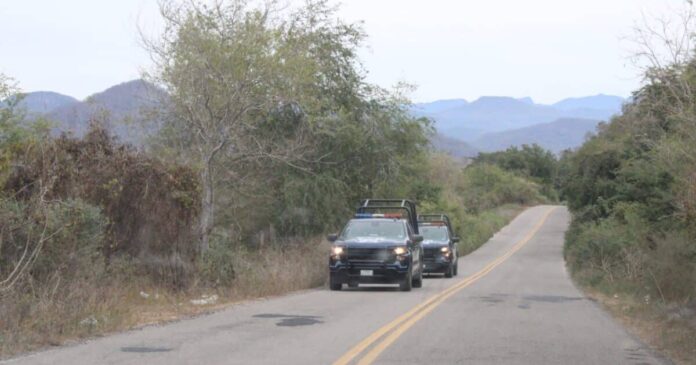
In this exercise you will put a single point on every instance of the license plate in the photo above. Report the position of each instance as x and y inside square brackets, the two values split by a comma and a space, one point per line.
[366, 272]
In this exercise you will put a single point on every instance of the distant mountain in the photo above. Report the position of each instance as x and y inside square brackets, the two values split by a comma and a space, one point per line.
[597, 102]
[452, 147]
[41, 102]
[490, 114]
[437, 106]
[556, 136]
[125, 109]
[527, 100]
[469, 121]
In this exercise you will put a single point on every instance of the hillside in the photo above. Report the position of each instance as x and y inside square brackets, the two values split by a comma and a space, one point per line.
[123, 108]
[556, 136]
[41, 102]
[452, 147]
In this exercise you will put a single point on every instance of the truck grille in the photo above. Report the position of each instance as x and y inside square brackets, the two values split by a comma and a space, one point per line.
[369, 254]
[430, 253]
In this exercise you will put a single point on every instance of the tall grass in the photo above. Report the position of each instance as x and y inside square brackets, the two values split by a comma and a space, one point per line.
[49, 313]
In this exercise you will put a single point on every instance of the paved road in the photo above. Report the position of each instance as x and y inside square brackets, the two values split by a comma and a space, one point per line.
[512, 303]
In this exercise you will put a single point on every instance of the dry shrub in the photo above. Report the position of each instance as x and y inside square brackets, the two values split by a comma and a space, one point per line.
[671, 267]
[151, 207]
[55, 281]
[286, 265]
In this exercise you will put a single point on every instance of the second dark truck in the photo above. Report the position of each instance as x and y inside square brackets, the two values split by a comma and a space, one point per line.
[439, 244]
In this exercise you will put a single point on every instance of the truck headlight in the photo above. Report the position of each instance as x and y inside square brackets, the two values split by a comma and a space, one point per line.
[337, 250]
[445, 250]
[400, 250]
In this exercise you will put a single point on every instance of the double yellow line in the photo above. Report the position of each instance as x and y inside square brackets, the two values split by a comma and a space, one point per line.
[394, 329]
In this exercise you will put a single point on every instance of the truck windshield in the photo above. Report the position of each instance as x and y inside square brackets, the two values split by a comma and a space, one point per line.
[363, 228]
[434, 233]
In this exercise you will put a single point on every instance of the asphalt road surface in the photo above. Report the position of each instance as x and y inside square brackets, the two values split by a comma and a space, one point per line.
[512, 303]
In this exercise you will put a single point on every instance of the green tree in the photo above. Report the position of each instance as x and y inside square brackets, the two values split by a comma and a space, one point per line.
[529, 161]
[273, 102]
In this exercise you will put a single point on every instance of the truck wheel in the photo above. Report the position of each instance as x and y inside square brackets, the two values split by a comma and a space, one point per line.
[418, 281]
[456, 267]
[407, 282]
[450, 271]
[334, 285]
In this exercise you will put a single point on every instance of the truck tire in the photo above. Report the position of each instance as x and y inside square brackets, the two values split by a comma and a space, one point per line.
[456, 267]
[334, 285]
[418, 281]
[450, 271]
[407, 283]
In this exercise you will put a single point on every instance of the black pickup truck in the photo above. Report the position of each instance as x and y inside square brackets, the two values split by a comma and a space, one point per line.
[380, 245]
[439, 244]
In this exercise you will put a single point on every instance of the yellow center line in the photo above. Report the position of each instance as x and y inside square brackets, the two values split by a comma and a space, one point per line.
[408, 319]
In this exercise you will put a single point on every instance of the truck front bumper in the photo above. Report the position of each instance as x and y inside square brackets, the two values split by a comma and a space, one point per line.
[437, 265]
[360, 273]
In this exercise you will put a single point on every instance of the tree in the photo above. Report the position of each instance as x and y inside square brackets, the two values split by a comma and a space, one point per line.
[253, 85]
[12, 133]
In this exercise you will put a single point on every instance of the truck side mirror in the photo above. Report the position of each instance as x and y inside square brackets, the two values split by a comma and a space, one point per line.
[332, 237]
[455, 239]
[417, 238]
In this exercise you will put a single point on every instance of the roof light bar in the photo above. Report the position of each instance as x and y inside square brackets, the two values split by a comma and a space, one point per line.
[430, 223]
[378, 215]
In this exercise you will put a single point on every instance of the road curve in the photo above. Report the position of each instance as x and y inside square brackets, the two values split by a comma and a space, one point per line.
[512, 303]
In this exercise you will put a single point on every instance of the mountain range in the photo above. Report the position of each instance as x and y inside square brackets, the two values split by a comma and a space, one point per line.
[492, 123]
[464, 128]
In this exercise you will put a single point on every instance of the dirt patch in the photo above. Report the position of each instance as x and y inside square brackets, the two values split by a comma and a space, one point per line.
[670, 330]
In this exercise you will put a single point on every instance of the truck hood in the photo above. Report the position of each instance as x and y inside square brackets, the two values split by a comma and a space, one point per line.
[370, 242]
[434, 244]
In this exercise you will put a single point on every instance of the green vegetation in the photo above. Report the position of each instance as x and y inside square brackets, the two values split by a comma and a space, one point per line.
[631, 189]
[531, 162]
[480, 198]
[632, 192]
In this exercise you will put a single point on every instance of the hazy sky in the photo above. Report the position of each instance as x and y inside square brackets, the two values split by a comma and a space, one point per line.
[546, 49]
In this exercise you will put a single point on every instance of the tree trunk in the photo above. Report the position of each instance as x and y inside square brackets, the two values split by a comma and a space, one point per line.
[207, 208]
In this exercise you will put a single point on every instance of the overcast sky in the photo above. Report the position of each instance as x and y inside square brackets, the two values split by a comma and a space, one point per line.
[546, 49]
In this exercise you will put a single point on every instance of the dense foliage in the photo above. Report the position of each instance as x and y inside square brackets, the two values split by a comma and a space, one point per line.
[632, 191]
[531, 162]
[480, 198]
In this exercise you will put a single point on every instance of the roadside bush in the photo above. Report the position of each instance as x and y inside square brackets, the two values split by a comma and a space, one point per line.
[672, 267]
[54, 273]
[624, 253]
[485, 186]
[282, 266]
[479, 198]
[150, 207]
[531, 162]
[477, 229]
[50, 240]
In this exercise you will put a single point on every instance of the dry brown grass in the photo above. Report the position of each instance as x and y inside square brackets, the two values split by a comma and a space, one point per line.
[671, 330]
[87, 308]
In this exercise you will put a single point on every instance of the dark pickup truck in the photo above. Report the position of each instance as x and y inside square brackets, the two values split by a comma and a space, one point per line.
[380, 245]
[439, 244]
